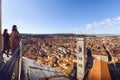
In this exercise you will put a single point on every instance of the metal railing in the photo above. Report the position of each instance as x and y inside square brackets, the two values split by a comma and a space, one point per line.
[12, 69]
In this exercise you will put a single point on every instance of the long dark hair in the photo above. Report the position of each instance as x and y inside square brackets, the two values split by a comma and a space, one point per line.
[5, 31]
[14, 28]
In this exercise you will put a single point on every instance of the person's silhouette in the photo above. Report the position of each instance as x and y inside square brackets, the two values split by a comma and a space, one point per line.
[14, 38]
[6, 42]
[89, 54]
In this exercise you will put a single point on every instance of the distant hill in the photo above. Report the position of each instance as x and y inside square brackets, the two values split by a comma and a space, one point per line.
[51, 35]
[117, 35]
[65, 35]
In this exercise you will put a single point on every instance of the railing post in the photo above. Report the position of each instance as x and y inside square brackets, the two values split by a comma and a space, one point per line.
[20, 59]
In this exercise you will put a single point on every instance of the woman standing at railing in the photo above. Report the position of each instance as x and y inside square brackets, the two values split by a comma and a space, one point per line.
[14, 38]
[6, 42]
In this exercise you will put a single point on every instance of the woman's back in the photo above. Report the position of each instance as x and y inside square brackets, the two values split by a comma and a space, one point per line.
[6, 37]
[14, 40]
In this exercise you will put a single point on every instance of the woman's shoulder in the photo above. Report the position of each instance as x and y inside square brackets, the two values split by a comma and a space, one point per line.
[15, 32]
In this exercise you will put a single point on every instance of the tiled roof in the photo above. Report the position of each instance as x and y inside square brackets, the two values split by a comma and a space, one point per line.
[99, 71]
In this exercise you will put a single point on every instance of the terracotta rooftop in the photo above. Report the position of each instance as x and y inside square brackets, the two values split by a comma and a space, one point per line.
[99, 71]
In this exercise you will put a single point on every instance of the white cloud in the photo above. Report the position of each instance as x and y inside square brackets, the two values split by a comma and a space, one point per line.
[88, 27]
[118, 18]
[108, 22]
[102, 22]
[95, 24]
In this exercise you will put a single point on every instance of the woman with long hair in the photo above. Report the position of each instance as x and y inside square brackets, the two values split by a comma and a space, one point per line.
[6, 42]
[14, 38]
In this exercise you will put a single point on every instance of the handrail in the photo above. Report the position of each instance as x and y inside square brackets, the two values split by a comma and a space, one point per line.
[12, 66]
[20, 60]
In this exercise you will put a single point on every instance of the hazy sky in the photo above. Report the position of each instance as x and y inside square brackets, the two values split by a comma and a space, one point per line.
[62, 16]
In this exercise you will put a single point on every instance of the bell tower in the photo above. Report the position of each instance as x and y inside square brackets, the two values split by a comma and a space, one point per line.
[81, 60]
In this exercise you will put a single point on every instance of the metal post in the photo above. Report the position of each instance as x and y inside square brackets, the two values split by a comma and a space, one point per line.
[81, 60]
[0, 24]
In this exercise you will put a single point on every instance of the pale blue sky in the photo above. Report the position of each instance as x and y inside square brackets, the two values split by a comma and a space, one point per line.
[62, 16]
